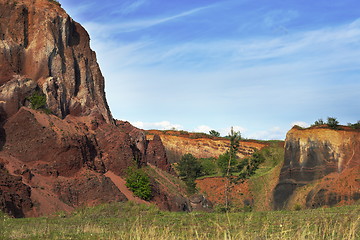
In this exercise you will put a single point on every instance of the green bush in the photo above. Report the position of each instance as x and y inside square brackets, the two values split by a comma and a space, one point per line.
[318, 122]
[224, 164]
[189, 169]
[332, 123]
[139, 183]
[208, 166]
[248, 166]
[354, 125]
[214, 133]
[37, 100]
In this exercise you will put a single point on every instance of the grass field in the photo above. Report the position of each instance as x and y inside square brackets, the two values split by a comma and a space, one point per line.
[131, 221]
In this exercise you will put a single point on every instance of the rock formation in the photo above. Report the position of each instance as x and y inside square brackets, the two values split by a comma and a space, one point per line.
[43, 48]
[321, 167]
[56, 157]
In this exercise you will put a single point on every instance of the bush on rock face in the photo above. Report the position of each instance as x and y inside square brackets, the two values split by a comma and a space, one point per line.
[139, 183]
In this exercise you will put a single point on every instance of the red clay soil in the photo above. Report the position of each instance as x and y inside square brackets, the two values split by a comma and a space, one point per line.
[120, 184]
[213, 188]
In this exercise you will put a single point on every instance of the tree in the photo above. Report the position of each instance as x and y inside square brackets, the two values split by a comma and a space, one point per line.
[332, 123]
[229, 159]
[354, 125]
[139, 183]
[223, 162]
[318, 122]
[214, 133]
[189, 169]
[248, 166]
[208, 166]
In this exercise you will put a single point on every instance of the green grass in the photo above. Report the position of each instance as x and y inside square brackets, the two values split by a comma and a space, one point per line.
[131, 221]
[265, 178]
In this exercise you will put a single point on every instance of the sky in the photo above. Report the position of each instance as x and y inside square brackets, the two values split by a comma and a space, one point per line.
[260, 66]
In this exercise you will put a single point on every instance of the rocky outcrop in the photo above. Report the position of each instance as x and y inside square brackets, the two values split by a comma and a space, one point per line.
[156, 154]
[14, 195]
[43, 48]
[58, 161]
[322, 165]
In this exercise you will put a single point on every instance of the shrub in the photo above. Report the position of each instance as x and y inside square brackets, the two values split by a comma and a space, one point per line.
[208, 166]
[354, 125]
[37, 100]
[214, 133]
[318, 122]
[297, 207]
[332, 123]
[139, 183]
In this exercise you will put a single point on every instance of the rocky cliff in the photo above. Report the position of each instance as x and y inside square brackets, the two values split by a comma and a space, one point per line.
[321, 167]
[43, 48]
[69, 152]
[178, 143]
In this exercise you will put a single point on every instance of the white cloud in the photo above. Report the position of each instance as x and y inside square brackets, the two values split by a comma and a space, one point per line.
[203, 129]
[164, 125]
[275, 133]
[300, 124]
[226, 131]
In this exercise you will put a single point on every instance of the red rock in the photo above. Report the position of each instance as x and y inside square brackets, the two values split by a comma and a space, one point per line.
[327, 160]
[42, 47]
[59, 160]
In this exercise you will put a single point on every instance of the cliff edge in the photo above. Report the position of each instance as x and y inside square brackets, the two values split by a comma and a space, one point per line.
[321, 168]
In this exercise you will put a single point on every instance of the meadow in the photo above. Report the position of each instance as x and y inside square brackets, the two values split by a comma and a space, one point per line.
[132, 221]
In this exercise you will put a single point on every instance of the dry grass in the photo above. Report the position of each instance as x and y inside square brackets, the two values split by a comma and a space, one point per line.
[130, 221]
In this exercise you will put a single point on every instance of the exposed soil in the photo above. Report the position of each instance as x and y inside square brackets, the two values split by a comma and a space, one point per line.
[214, 189]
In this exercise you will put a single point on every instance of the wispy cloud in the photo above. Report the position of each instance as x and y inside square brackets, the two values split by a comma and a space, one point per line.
[136, 25]
[316, 50]
[130, 6]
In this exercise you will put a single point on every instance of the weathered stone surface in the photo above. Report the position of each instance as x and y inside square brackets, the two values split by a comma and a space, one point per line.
[156, 154]
[14, 195]
[323, 156]
[87, 189]
[200, 203]
[41, 44]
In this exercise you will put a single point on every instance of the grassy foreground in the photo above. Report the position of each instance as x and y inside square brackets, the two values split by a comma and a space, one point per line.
[130, 221]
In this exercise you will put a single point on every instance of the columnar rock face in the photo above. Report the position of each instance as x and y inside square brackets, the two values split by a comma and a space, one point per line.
[322, 164]
[43, 48]
[58, 161]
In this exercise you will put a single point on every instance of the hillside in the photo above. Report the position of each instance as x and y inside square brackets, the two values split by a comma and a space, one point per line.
[201, 145]
[60, 148]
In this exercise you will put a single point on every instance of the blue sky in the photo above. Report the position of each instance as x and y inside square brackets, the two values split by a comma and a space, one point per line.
[258, 65]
